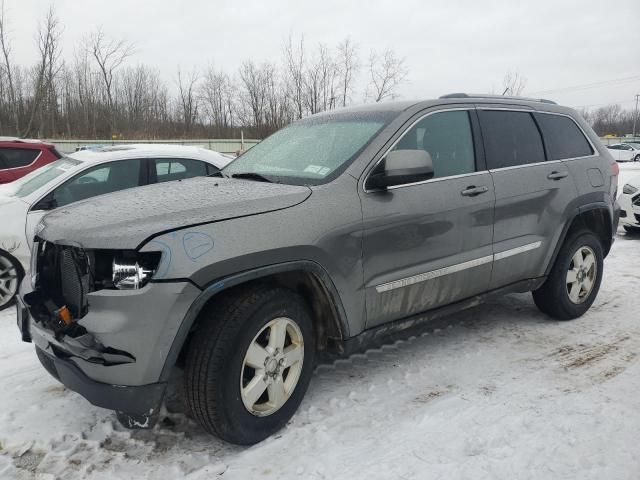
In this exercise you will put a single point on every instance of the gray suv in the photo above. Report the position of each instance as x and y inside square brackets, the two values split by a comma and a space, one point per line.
[330, 233]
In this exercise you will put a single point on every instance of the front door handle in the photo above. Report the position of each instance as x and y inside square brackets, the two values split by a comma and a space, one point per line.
[557, 175]
[472, 191]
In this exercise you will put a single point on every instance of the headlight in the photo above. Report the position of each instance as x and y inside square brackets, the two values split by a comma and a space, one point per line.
[128, 274]
[629, 189]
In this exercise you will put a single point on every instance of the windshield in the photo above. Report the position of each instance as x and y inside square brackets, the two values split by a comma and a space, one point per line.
[312, 151]
[32, 182]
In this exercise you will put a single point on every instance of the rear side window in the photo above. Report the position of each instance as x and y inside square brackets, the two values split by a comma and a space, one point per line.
[510, 138]
[18, 157]
[170, 169]
[563, 137]
[447, 137]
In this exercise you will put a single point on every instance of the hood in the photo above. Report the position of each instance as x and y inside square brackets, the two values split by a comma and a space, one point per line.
[124, 220]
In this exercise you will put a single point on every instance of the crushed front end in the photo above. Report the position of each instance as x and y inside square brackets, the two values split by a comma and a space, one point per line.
[101, 326]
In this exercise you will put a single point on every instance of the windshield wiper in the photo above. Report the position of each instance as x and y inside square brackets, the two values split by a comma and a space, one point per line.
[218, 174]
[252, 176]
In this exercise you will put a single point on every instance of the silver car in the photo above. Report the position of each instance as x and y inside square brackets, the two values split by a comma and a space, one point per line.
[324, 238]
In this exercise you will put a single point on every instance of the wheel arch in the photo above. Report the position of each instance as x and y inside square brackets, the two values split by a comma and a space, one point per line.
[596, 217]
[307, 278]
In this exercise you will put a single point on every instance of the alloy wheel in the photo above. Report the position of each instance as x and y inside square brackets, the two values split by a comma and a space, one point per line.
[582, 274]
[8, 281]
[272, 366]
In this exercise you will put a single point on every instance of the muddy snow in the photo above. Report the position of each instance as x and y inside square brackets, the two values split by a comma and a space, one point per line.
[500, 392]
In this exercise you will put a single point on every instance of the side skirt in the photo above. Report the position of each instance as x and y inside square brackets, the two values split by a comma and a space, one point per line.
[398, 329]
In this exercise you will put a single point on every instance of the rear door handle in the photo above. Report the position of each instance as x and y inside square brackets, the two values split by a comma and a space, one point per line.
[557, 175]
[472, 191]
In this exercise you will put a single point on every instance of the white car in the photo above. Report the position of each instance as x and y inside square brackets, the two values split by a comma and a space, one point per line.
[625, 152]
[629, 201]
[79, 176]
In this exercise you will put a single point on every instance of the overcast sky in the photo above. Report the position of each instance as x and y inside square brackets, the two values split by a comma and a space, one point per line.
[449, 46]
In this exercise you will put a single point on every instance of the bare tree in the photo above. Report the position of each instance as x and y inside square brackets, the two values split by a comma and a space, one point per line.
[295, 74]
[47, 40]
[5, 46]
[513, 84]
[347, 67]
[187, 89]
[218, 98]
[254, 93]
[109, 54]
[387, 73]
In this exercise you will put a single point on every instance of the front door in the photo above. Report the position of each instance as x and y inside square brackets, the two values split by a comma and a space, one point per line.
[429, 244]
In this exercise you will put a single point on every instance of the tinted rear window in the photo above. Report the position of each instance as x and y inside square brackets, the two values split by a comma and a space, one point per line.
[18, 157]
[564, 138]
[510, 138]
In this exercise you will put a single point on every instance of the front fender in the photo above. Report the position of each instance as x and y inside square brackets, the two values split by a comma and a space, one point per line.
[217, 286]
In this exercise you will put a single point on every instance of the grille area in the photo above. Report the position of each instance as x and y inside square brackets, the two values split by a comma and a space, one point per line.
[64, 277]
[74, 281]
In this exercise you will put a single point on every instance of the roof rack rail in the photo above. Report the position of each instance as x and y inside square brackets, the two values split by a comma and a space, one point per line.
[506, 97]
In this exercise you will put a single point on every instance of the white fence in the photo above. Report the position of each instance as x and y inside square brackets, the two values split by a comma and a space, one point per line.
[612, 140]
[218, 145]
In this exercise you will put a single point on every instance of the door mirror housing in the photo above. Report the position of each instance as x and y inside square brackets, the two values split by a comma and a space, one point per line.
[400, 167]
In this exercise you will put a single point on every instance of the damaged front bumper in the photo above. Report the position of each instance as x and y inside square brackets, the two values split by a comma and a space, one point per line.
[115, 355]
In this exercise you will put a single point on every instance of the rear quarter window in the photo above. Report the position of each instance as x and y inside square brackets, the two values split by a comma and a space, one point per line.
[18, 157]
[563, 137]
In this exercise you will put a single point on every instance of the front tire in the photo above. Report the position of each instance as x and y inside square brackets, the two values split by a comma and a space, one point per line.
[631, 230]
[10, 277]
[574, 281]
[636, 158]
[249, 363]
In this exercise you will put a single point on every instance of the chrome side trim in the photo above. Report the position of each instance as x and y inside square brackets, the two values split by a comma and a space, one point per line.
[440, 272]
[435, 180]
[515, 251]
[422, 277]
[525, 165]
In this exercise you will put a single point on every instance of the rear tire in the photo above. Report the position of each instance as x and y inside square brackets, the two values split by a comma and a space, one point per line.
[630, 229]
[11, 275]
[242, 381]
[574, 281]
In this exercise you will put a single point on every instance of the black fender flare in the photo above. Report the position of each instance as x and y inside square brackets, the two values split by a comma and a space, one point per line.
[216, 286]
[565, 229]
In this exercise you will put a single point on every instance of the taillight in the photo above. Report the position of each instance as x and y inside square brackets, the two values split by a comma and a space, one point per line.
[615, 169]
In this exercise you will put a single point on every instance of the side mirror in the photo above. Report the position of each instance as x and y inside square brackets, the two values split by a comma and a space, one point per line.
[47, 203]
[400, 167]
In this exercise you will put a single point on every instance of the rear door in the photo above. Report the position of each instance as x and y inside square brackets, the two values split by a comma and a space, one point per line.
[626, 153]
[428, 244]
[532, 193]
[614, 150]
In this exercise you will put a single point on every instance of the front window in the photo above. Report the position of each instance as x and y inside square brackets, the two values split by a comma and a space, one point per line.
[100, 180]
[39, 178]
[312, 151]
[447, 138]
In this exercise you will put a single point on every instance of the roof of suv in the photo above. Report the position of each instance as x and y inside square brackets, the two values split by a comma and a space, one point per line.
[399, 106]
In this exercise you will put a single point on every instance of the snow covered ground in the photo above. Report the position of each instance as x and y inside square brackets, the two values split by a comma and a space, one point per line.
[501, 393]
